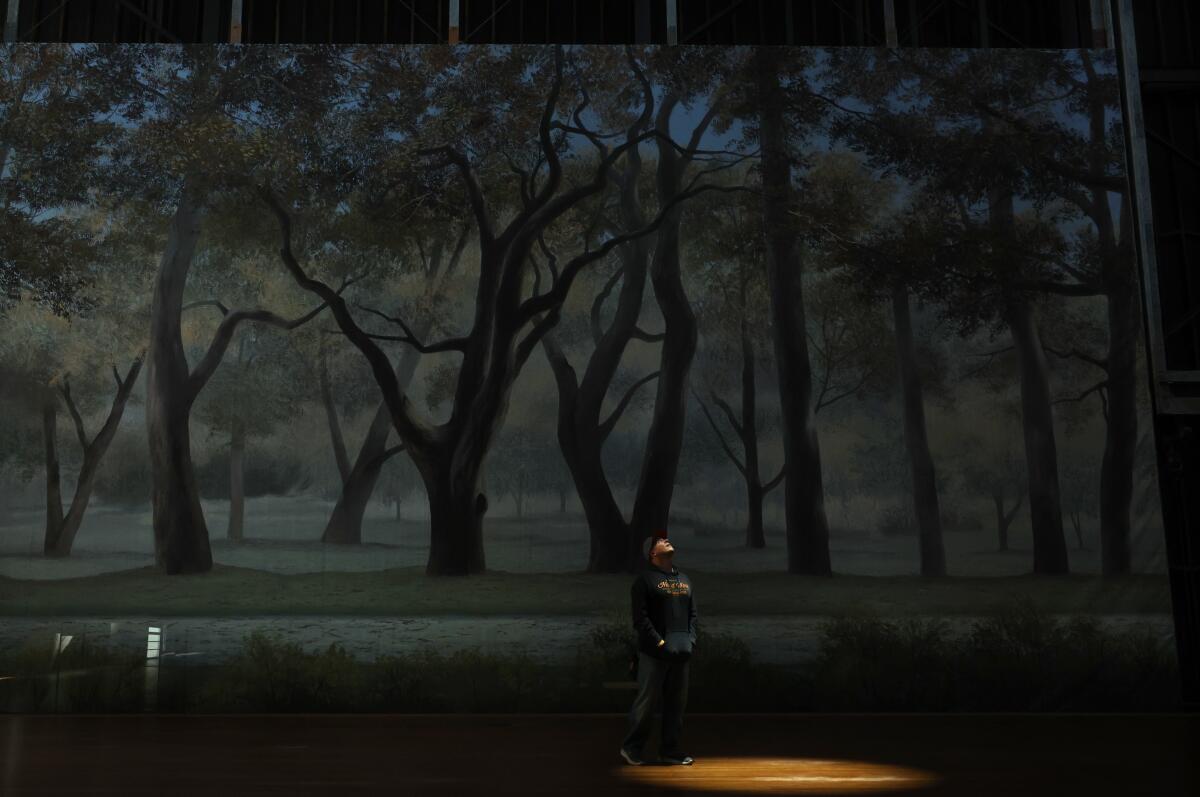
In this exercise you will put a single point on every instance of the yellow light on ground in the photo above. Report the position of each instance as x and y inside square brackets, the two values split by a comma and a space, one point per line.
[782, 776]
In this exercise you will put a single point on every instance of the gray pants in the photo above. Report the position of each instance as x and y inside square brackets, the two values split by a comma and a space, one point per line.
[658, 677]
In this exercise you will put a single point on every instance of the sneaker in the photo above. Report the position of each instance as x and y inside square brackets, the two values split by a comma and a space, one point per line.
[676, 758]
[630, 758]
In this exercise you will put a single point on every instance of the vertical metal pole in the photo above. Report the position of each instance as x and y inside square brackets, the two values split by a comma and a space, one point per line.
[210, 33]
[1102, 33]
[1139, 183]
[452, 35]
[672, 22]
[13, 18]
[1175, 418]
[641, 22]
[891, 38]
[235, 21]
[983, 23]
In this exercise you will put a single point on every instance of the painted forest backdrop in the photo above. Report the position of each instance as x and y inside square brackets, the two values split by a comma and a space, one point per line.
[433, 311]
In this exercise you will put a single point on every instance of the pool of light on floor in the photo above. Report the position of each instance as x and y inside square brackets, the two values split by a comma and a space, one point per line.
[782, 776]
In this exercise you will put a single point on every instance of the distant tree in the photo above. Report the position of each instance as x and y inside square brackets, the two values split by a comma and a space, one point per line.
[733, 312]
[940, 120]
[877, 254]
[54, 363]
[784, 108]
[1001, 478]
[250, 395]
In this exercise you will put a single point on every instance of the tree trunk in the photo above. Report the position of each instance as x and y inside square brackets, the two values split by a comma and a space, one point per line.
[581, 430]
[456, 508]
[54, 511]
[180, 535]
[608, 530]
[237, 482]
[1037, 416]
[345, 522]
[335, 426]
[581, 443]
[1041, 451]
[916, 440]
[1120, 441]
[664, 441]
[1002, 521]
[755, 538]
[804, 499]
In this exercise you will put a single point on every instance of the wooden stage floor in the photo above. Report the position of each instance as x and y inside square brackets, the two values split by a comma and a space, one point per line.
[576, 755]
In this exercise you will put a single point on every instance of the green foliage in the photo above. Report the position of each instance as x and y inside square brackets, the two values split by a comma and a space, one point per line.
[887, 665]
[266, 472]
[1024, 659]
[85, 677]
[1021, 659]
[1018, 660]
[124, 476]
[273, 675]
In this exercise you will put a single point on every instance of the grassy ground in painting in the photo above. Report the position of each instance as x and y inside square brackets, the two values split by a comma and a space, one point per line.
[233, 591]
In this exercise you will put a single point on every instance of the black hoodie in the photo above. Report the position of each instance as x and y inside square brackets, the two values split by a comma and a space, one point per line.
[664, 607]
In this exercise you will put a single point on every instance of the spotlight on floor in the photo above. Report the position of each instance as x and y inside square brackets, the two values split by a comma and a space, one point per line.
[782, 776]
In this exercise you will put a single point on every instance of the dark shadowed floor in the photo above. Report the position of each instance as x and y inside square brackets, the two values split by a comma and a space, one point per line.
[576, 755]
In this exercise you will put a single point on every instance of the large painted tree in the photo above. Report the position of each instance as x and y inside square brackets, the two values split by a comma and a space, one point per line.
[515, 304]
[586, 419]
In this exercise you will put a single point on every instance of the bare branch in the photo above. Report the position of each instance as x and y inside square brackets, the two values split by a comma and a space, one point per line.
[564, 374]
[207, 303]
[483, 219]
[65, 389]
[204, 369]
[771, 485]
[1099, 362]
[720, 437]
[548, 150]
[1096, 388]
[411, 430]
[610, 422]
[601, 298]
[531, 339]
[460, 246]
[551, 258]
[730, 415]
[450, 344]
[384, 456]
[650, 337]
[543, 302]
[823, 402]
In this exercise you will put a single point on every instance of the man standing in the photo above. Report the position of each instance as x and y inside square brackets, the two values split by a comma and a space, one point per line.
[664, 616]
